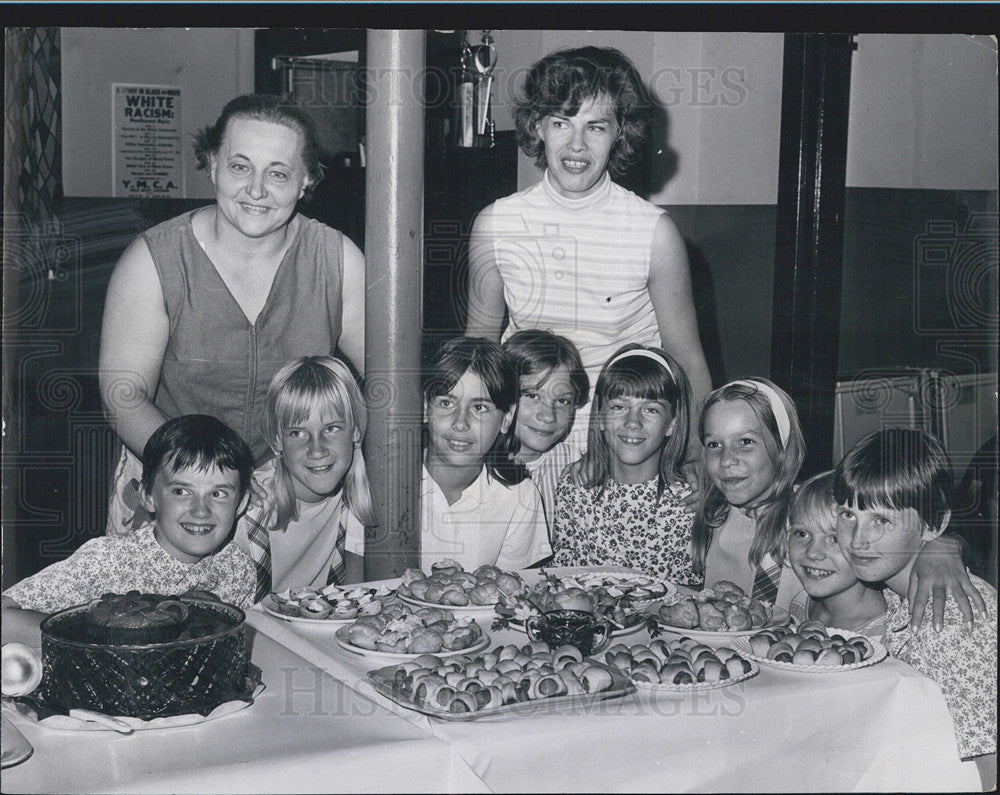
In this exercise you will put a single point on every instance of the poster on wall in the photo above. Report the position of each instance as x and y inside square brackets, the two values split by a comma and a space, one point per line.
[146, 139]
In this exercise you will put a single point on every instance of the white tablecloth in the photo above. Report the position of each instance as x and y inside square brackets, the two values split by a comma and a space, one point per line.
[884, 727]
[320, 726]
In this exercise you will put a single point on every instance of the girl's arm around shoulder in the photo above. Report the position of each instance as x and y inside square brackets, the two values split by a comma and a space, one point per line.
[486, 300]
[937, 574]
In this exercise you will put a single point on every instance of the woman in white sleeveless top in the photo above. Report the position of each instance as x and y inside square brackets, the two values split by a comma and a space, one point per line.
[578, 254]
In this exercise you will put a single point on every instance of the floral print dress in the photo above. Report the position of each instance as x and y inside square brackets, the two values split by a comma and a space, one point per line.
[625, 525]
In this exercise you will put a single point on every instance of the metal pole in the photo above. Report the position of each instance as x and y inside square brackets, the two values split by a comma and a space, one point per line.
[394, 185]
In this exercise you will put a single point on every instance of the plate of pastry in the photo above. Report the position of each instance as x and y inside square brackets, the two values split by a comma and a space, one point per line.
[507, 681]
[332, 605]
[635, 590]
[812, 647]
[450, 587]
[680, 665]
[718, 614]
[343, 640]
[402, 632]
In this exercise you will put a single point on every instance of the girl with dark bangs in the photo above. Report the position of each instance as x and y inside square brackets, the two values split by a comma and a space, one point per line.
[477, 505]
[625, 507]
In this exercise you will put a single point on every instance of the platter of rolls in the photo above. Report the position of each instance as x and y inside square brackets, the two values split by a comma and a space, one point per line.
[507, 680]
[332, 605]
[680, 665]
[719, 614]
[402, 632]
[451, 587]
[811, 647]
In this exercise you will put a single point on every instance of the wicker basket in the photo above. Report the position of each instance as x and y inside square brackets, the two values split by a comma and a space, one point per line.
[185, 676]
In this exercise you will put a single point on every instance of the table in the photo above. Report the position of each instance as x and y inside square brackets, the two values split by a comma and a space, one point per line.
[320, 725]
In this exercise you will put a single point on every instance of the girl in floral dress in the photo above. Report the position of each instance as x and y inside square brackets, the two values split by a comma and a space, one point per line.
[623, 506]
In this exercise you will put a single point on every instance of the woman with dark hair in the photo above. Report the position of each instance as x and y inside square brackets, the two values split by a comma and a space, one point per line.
[578, 254]
[202, 310]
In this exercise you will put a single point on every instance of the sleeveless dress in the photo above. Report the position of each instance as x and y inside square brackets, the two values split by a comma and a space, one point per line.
[216, 361]
[578, 268]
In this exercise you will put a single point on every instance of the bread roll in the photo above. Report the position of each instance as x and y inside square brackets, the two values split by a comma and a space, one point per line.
[425, 685]
[574, 687]
[725, 586]
[596, 679]
[487, 572]
[645, 672]
[485, 594]
[572, 652]
[548, 686]
[829, 657]
[458, 638]
[363, 636]
[760, 645]
[446, 566]
[454, 595]
[712, 671]
[395, 642]
[489, 698]
[412, 575]
[737, 667]
[863, 645]
[710, 617]
[676, 674]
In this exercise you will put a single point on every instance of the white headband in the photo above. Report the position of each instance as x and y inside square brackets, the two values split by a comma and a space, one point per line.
[777, 407]
[649, 355]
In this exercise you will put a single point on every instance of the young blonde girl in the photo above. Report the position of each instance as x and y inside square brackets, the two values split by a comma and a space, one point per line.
[623, 506]
[752, 452]
[831, 592]
[307, 529]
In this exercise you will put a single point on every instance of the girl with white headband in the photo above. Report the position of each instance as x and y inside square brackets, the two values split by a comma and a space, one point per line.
[625, 506]
[752, 451]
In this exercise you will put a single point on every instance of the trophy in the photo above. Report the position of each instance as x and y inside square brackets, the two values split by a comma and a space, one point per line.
[477, 63]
